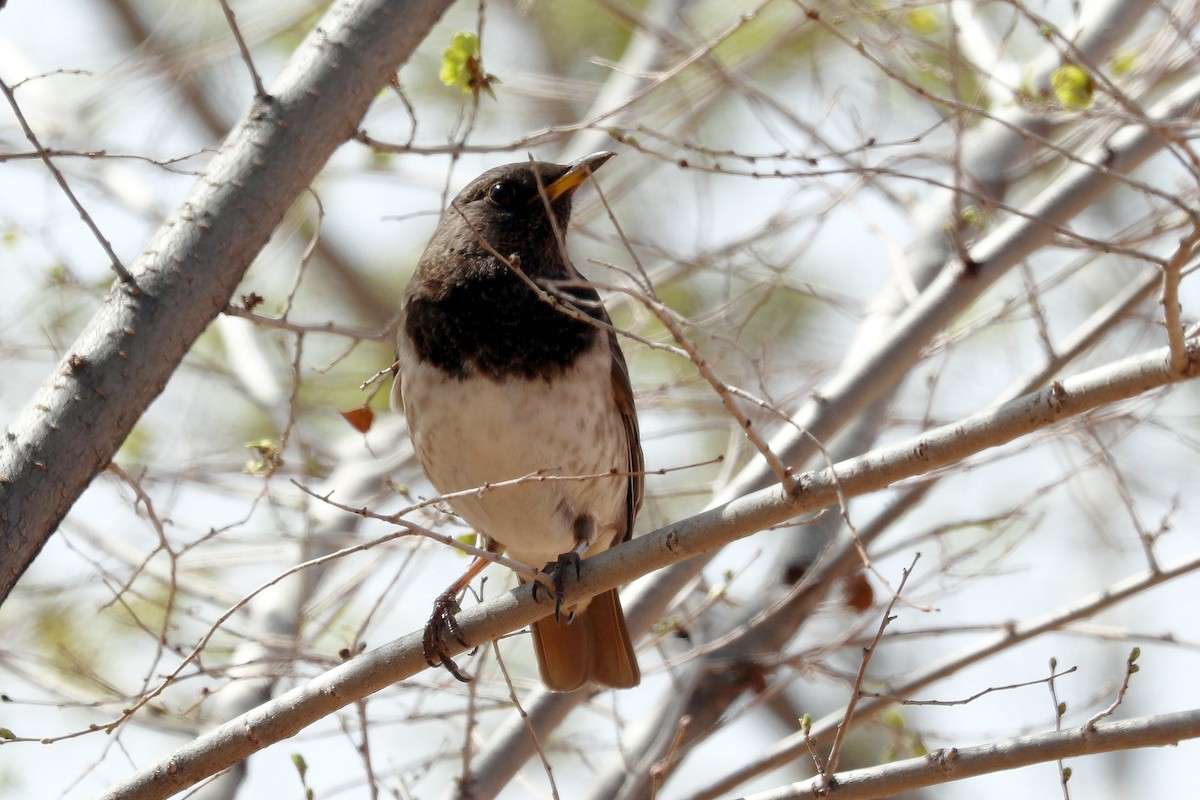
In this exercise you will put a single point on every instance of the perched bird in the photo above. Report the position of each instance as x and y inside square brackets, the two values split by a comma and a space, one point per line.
[508, 368]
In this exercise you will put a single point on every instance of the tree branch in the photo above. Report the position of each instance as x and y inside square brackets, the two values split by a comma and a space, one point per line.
[958, 763]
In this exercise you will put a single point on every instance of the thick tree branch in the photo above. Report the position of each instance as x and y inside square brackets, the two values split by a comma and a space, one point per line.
[124, 357]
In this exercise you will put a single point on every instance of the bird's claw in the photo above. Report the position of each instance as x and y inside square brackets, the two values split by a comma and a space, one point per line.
[557, 572]
[442, 622]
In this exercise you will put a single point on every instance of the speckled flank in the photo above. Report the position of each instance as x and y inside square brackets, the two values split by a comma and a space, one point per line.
[476, 432]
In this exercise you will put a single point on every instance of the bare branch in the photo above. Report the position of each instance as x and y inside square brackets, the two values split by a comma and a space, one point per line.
[44, 155]
[856, 691]
[959, 763]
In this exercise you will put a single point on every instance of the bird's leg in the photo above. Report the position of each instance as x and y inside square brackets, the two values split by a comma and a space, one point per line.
[442, 622]
[585, 537]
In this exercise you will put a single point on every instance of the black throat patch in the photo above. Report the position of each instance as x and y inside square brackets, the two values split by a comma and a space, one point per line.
[494, 325]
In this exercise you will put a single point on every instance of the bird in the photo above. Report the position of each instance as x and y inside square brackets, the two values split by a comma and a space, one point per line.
[509, 371]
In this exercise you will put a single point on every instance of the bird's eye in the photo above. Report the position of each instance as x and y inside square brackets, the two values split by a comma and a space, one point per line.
[502, 194]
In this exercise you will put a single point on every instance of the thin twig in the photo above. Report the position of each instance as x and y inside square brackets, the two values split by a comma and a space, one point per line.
[260, 91]
[537, 742]
[675, 751]
[118, 267]
[1130, 668]
[1172, 275]
[328, 327]
[1060, 711]
[783, 473]
[962, 701]
[364, 749]
[843, 727]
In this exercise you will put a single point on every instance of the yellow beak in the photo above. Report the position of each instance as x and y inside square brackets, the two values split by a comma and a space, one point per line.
[576, 174]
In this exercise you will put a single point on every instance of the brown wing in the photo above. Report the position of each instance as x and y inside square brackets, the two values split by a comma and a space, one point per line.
[623, 392]
[397, 395]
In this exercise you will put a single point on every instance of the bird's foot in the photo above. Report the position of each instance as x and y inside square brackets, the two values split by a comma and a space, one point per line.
[440, 625]
[557, 570]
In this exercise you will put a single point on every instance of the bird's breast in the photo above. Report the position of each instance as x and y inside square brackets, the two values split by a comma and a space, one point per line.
[559, 444]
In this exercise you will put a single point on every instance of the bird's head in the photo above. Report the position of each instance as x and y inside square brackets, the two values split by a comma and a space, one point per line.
[517, 209]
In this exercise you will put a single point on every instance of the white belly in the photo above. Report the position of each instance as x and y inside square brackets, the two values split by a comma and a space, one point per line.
[475, 433]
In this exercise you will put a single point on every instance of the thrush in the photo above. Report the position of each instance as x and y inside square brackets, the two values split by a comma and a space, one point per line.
[509, 373]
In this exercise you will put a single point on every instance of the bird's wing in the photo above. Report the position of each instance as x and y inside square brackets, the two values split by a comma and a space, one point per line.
[397, 397]
[623, 392]
[397, 326]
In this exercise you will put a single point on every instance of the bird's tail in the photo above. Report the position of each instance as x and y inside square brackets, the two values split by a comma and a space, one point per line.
[594, 646]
